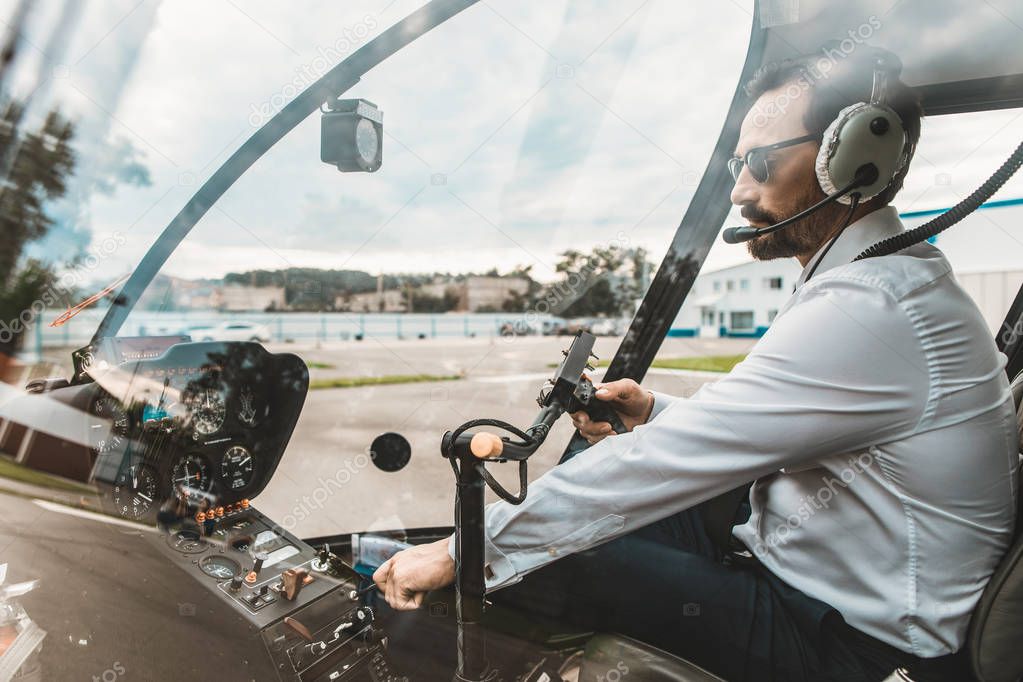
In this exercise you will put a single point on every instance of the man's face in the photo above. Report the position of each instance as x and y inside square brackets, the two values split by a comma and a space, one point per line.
[792, 185]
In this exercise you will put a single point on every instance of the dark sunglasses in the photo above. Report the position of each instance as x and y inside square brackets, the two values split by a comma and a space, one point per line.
[757, 159]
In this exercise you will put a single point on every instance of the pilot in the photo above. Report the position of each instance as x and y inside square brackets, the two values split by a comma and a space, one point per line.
[873, 420]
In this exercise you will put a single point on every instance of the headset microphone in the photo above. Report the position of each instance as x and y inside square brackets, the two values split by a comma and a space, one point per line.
[865, 175]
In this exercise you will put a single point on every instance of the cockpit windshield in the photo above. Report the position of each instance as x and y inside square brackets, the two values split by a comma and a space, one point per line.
[258, 259]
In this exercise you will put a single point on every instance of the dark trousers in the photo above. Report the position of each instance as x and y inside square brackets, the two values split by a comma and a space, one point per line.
[668, 585]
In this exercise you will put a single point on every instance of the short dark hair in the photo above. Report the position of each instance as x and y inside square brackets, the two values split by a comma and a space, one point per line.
[836, 79]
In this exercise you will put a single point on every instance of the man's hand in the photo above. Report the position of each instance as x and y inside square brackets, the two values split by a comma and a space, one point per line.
[632, 403]
[406, 577]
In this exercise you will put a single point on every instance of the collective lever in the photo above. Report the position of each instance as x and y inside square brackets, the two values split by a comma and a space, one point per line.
[293, 580]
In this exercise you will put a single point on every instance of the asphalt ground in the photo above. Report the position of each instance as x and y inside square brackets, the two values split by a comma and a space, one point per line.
[325, 483]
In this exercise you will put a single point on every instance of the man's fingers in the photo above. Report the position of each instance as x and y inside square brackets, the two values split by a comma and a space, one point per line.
[392, 583]
[391, 591]
[380, 575]
[621, 390]
[407, 600]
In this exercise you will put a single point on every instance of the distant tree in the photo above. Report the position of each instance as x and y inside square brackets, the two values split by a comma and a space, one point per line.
[516, 302]
[38, 165]
[605, 281]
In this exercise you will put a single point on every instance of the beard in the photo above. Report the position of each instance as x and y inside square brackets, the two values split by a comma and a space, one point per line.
[803, 237]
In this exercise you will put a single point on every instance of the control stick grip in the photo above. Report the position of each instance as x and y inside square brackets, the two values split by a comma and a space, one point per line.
[600, 411]
[485, 445]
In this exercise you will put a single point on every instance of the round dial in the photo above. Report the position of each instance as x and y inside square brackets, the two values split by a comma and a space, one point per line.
[237, 468]
[192, 475]
[366, 140]
[207, 409]
[135, 491]
[187, 542]
[108, 427]
[220, 567]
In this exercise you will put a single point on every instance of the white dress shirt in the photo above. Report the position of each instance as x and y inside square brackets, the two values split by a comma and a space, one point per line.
[874, 416]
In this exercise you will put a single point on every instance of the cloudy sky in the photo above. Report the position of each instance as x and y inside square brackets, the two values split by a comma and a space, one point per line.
[514, 131]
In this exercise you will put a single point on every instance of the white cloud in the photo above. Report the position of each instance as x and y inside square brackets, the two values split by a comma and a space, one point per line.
[543, 162]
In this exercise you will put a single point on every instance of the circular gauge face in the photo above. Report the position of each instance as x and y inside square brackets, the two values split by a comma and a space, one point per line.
[220, 567]
[207, 409]
[135, 491]
[366, 140]
[237, 468]
[108, 427]
[187, 542]
[191, 475]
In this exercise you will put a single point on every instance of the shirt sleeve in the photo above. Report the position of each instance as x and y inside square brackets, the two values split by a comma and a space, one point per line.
[661, 401]
[840, 369]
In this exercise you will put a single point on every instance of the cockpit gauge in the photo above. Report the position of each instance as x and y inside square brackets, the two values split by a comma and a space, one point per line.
[249, 412]
[187, 542]
[191, 475]
[108, 427]
[237, 468]
[135, 491]
[220, 567]
[207, 410]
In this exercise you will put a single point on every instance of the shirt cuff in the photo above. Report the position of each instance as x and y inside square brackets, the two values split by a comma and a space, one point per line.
[661, 401]
[498, 570]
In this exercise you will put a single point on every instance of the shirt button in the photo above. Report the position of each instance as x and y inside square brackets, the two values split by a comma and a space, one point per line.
[552, 551]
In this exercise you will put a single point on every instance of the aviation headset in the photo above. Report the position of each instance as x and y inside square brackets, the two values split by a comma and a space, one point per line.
[861, 151]
[865, 135]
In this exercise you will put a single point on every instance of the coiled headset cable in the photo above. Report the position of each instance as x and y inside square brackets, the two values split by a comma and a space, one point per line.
[952, 215]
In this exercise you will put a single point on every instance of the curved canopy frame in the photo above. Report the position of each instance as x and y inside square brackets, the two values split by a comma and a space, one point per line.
[332, 85]
[953, 74]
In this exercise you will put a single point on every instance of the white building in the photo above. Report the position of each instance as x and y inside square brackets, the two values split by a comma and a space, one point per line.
[992, 291]
[387, 301]
[743, 299]
[740, 300]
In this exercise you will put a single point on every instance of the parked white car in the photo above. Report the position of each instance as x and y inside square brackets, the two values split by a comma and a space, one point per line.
[232, 331]
[608, 326]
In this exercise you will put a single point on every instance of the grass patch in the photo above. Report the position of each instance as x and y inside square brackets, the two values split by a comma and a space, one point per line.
[355, 382]
[708, 363]
[313, 364]
[17, 472]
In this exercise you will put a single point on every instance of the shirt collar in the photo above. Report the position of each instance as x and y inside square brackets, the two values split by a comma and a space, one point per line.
[868, 230]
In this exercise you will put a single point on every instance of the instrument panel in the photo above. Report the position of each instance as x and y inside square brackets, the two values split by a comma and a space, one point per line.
[202, 424]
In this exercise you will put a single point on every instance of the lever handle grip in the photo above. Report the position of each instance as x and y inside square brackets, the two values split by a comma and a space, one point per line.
[600, 411]
[486, 445]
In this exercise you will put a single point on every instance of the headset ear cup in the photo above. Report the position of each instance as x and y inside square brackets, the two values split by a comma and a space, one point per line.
[861, 134]
[829, 149]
